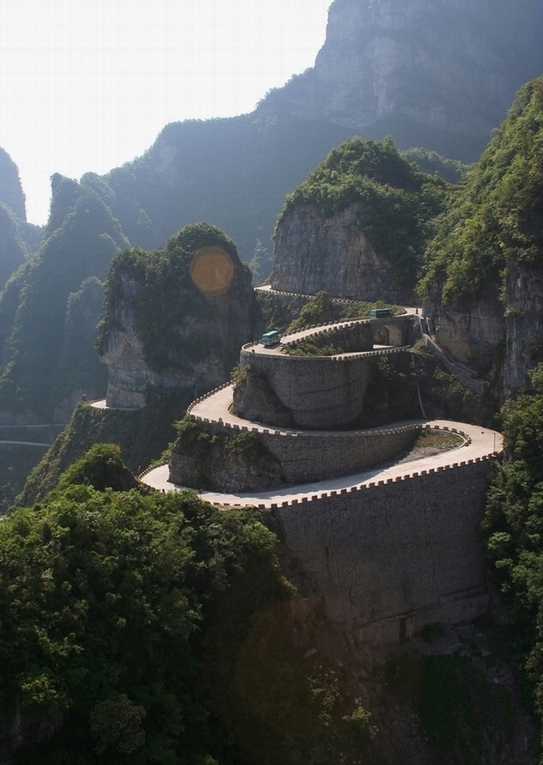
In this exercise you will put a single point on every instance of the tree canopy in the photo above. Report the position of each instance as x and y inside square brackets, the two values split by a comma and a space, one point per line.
[496, 213]
[103, 598]
[397, 202]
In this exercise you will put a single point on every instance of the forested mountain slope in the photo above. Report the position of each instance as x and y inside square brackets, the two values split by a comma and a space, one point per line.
[18, 239]
[11, 191]
[357, 226]
[483, 285]
[50, 307]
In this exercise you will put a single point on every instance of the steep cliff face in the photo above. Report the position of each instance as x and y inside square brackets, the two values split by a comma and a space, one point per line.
[484, 279]
[175, 319]
[11, 192]
[356, 227]
[12, 249]
[524, 324]
[314, 253]
[451, 65]
[473, 334]
[18, 239]
[37, 308]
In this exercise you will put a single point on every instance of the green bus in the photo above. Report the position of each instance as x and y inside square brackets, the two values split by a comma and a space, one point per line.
[380, 313]
[270, 338]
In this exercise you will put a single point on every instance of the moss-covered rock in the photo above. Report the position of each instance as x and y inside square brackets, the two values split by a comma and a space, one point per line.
[214, 458]
[177, 317]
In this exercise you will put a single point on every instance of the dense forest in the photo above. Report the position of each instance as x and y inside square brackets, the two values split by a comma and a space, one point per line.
[513, 526]
[494, 217]
[151, 628]
[50, 307]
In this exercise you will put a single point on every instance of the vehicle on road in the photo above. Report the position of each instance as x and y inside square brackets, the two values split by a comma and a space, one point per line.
[270, 338]
[380, 313]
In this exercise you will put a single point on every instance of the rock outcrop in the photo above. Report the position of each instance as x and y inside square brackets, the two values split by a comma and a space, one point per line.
[524, 324]
[163, 329]
[472, 334]
[11, 191]
[313, 253]
[484, 278]
[12, 248]
[357, 226]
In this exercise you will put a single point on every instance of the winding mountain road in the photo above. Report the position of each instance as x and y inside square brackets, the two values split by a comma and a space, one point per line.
[479, 443]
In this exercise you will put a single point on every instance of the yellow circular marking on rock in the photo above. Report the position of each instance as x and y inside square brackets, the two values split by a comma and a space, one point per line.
[212, 270]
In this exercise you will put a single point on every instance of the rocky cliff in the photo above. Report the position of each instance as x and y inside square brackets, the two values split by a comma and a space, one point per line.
[46, 352]
[176, 318]
[18, 239]
[483, 284]
[523, 324]
[356, 227]
[12, 248]
[472, 334]
[11, 191]
[448, 65]
[313, 253]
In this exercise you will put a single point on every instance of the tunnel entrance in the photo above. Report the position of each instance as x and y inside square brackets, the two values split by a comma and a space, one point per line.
[388, 334]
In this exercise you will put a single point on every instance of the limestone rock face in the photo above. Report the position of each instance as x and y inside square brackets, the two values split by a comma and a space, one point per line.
[314, 393]
[312, 253]
[12, 249]
[11, 192]
[216, 463]
[255, 400]
[200, 344]
[448, 64]
[524, 324]
[500, 342]
[472, 335]
[128, 374]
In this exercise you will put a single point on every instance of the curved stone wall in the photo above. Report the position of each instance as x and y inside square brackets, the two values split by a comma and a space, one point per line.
[390, 558]
[321, 392]
[317, 455]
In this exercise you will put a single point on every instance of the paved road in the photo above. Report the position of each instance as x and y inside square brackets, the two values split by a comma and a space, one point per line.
[484, 443]
[479, 443]
[216, 407]
[274, 350]
[102, 404]
[26, 443]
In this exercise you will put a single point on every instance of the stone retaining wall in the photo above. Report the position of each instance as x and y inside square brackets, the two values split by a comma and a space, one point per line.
[352, 337]
[317, 456]
[392, 557]
[307, 456]
[320, 392]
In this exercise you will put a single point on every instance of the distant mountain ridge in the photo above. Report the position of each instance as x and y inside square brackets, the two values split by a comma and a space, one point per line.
[11, 191]
[452, 66]
[18, 239]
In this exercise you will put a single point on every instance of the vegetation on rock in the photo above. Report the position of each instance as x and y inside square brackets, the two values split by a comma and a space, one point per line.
[42, 361]
[11, 192]
[151, 628]
[221, 460]
[495, 214]
[321, 308]
[397, 202]
[143, 436]
[513, 528]
[158, 289]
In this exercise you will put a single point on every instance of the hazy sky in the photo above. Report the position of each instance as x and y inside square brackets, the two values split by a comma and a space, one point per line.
[86, 85]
